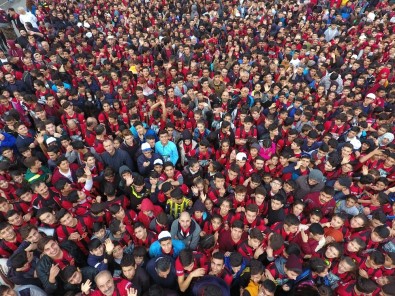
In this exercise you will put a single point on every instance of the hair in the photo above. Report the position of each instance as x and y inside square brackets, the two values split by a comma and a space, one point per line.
[276, 241]
[255, 233]
[317, 265]
[291, 220]
[186, 257]
[163, 263]
[235, 259]
[382, 231]
[43, 241]
[316, 228]
[127, 260]
[18, 260]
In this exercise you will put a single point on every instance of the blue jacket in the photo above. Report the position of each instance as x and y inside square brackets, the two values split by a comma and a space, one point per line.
[97, 262]
[9, 141]
[155, 249]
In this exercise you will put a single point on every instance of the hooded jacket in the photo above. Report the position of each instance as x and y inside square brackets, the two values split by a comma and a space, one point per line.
[147, 205]
[192, 239]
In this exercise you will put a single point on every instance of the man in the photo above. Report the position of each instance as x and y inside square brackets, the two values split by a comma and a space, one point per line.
[165, 245]
[322, 200]
[54, 259]
[108, 286]
[165, 148]
[218, 269]
[115, 158]
[74, 277]
[186, 230]
[163, 272]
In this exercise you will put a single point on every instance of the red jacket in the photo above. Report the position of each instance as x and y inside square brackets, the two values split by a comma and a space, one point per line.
[121, 288]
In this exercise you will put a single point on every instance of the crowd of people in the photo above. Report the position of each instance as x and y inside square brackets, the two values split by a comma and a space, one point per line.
[197, 148]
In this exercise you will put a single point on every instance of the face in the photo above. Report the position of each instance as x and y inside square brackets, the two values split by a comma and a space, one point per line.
[105, 284]
[48, 218]
[129, 271]
[185, 221]
[217, 265]
[166, 246]
[140, 233]
[52, 249]
[109, 147]
[16, 219]
[76, 278]
[356, 222]
[291, 274]
[276, 205]
[336, 222]
[253, 242]
[8, 233]
[67, 220]
[352, 247]
[33, 236]
[324, 198]
[331, 252]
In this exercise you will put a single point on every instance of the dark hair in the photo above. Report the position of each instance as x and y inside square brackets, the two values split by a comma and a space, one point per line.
[317, 265]
[128, 260]
[18, 260]
[163, 263]
[377, 257]
[316, 228]
[186, 257]
[235, 259]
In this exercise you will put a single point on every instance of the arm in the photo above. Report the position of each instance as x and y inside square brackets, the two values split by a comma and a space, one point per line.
[174, 154]
[8, 140]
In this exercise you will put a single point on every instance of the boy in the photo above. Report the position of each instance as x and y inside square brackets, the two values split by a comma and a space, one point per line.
[178, 203]
[252, 247]
[276, 211]
[309, 240]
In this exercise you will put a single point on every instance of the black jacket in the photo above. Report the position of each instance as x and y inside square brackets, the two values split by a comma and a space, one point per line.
[45, 263]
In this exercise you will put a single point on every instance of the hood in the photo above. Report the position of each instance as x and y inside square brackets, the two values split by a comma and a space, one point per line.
[123, 169]
[147, 205]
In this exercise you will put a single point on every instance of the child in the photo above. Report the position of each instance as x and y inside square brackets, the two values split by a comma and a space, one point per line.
[214, 226]
[252, 247]
[276, 212]
[309, 240]
[336, 223]
[296, 209]
[259, 200]
[199, 214]
[178, 203]
[140, 256]
[371, 267]
[240, 198]
[348, 206]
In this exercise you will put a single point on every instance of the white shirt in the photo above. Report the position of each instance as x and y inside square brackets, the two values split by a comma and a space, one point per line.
[28, 17]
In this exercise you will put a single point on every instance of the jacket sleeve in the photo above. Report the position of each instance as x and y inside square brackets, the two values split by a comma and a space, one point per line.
[9, 141]
[174, 154]
[43, 267]
[195, 237]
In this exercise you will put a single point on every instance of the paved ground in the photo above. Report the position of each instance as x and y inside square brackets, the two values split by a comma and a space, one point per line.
[15, 4]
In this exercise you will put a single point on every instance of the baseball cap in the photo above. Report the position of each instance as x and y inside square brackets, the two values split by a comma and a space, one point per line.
[145, 147]
[158, 162]
[371, 96]
[50, 140]
[241, 156]
[354, 56]
[164, 235]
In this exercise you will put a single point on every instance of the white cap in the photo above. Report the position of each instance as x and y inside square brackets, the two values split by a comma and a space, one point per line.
[158, 161]
[50, 140]
[164, 235]
[371, 96]
[145, 147]
[363, 37]
[89, 35]
[110, 37]
[241, 156]
[354, 56]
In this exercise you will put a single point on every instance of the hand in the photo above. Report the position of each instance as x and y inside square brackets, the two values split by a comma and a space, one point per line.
[69, 148]
[27, 217]
[146, 163]
[53, 272]
[198, 272]
[132, 292]
[32, 146]
[74, 236]
[85, 287]
[40, 139]
[363, 273]
[305, 238]
[195, 190]
[258, 252]
[109, 246]
[87, 171]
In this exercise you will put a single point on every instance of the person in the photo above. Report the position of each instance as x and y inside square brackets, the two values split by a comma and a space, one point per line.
[115, 158]
[165, 245]
[162, 272]
[165, 148]
[240, 109]
[186, 230]
[108, 286]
